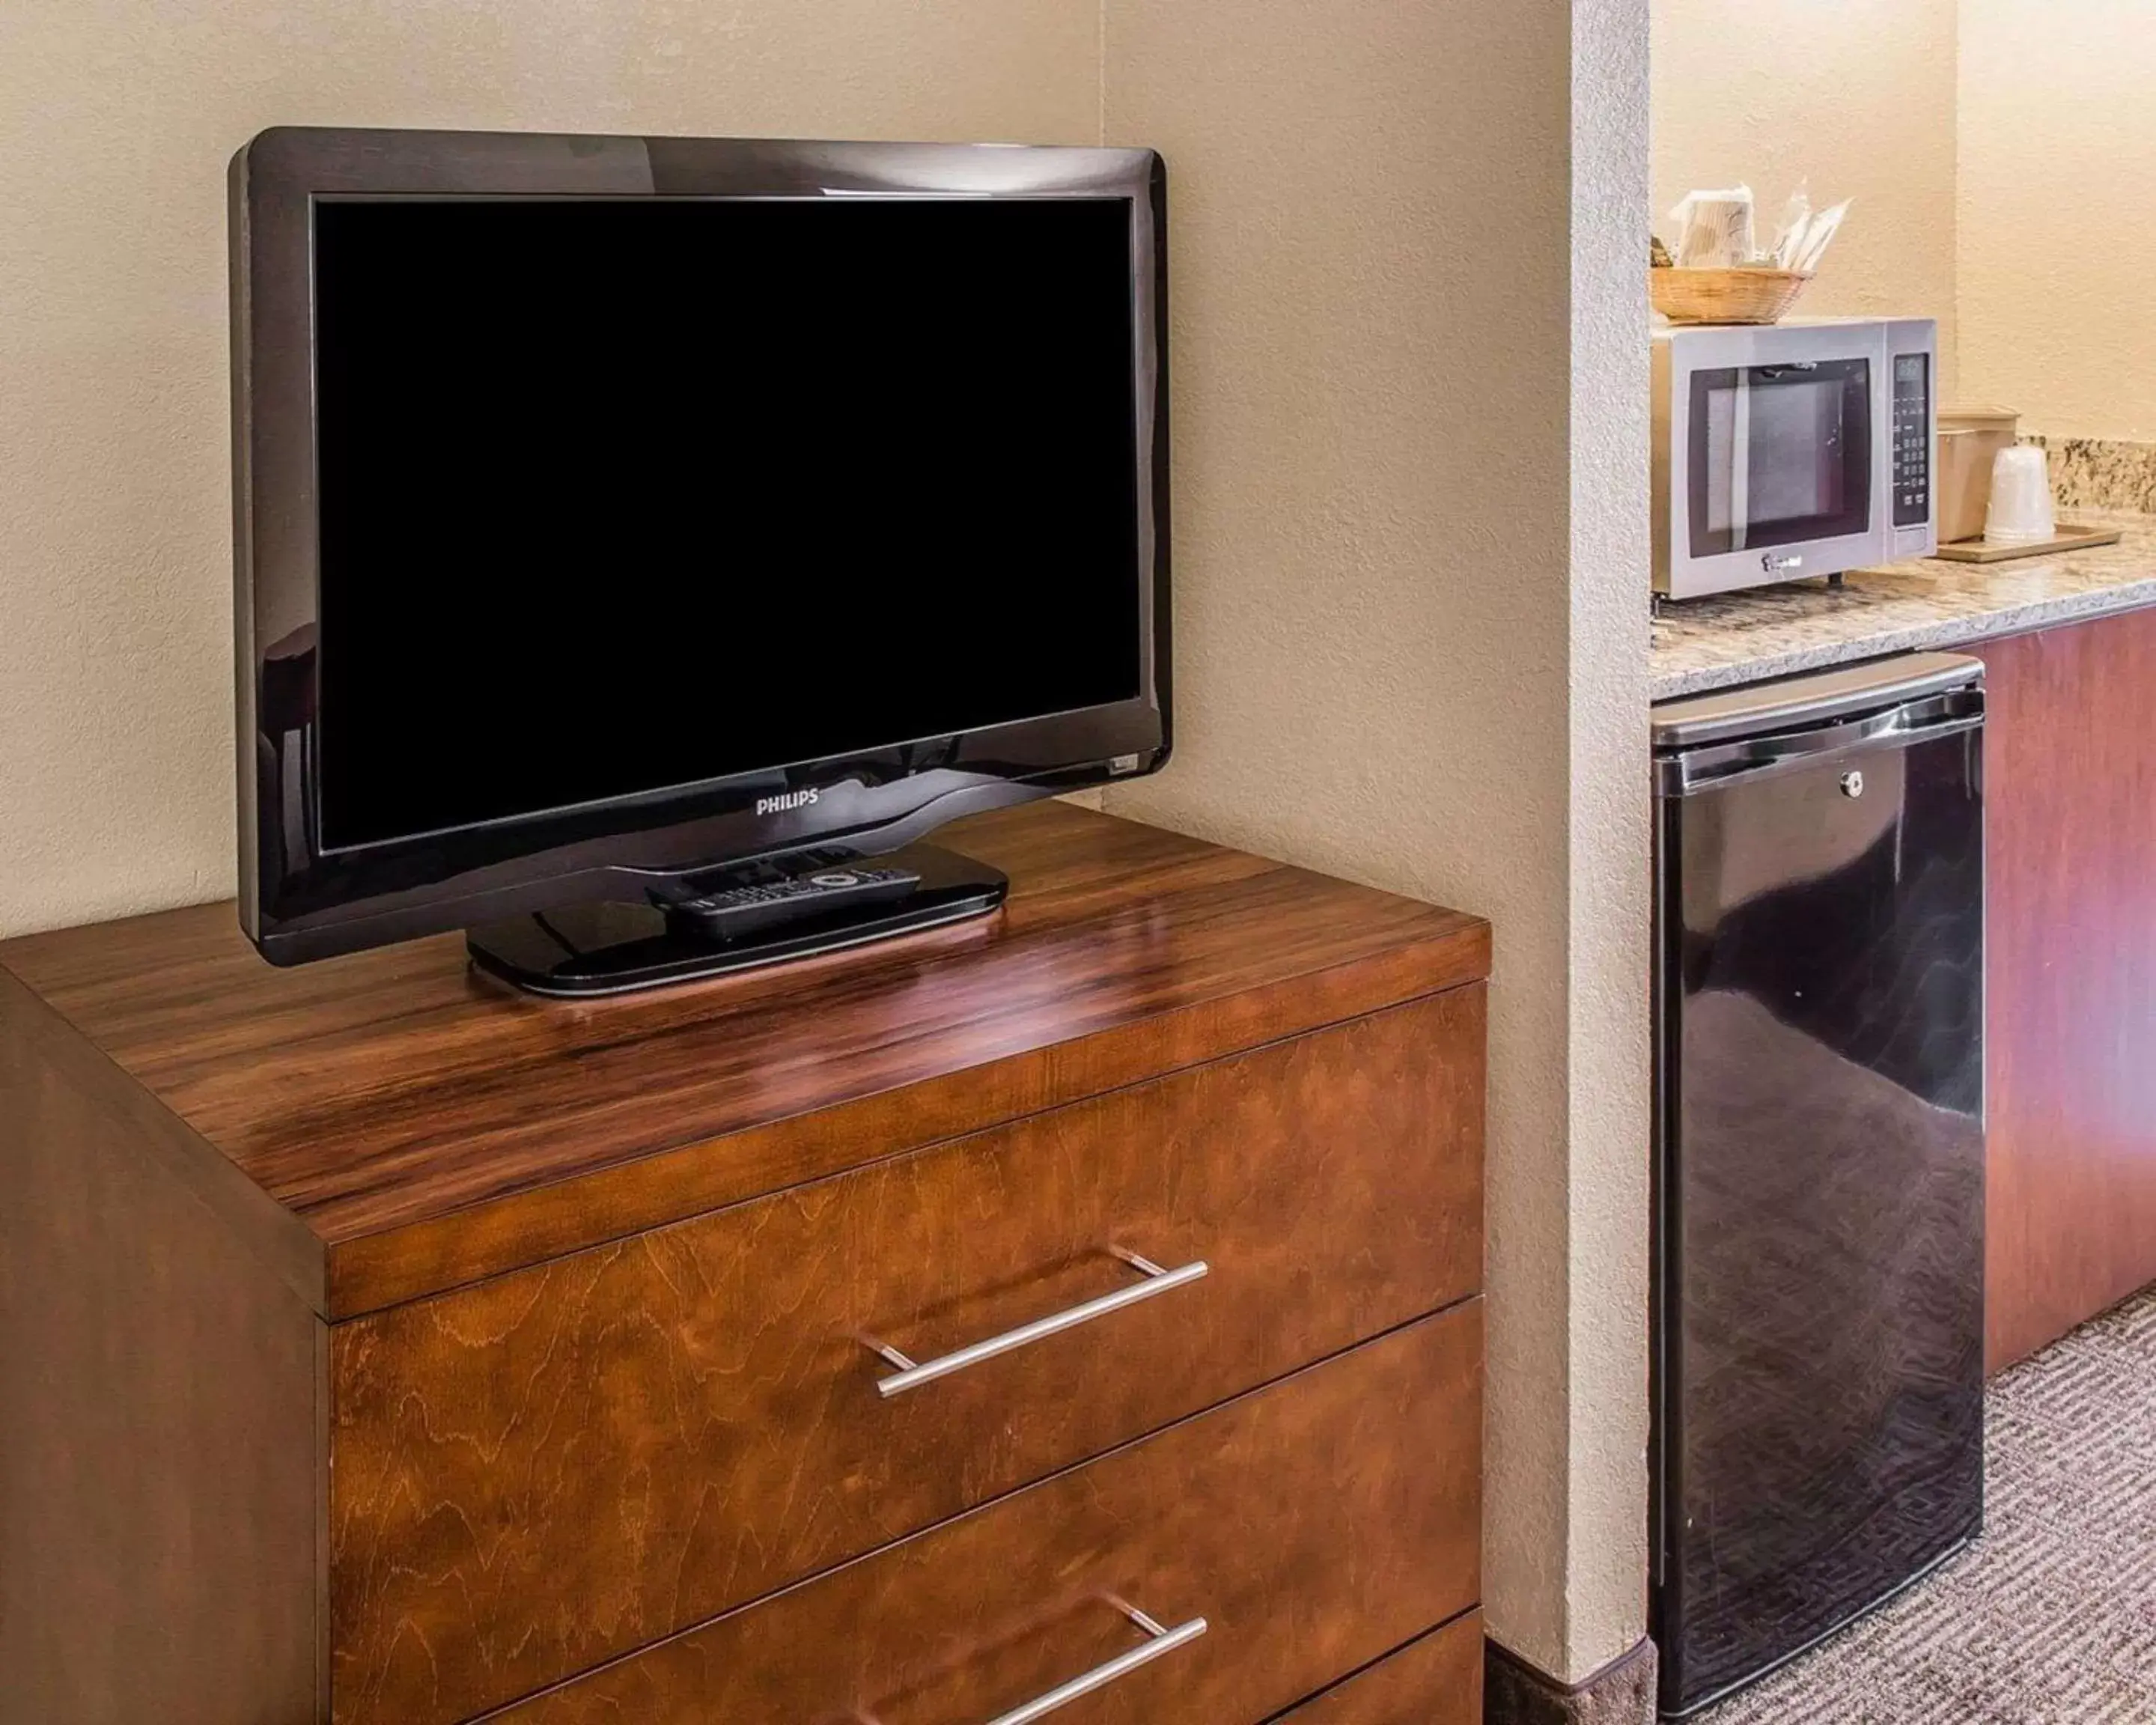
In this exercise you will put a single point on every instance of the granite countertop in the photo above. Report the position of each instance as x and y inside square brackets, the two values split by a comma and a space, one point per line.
[1774, 631]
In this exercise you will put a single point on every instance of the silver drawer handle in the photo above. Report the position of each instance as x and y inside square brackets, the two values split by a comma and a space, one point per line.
[1157, 1281]
[1159, 1640]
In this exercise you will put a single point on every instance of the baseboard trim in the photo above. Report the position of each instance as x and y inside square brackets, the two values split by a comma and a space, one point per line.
[1515, 1693]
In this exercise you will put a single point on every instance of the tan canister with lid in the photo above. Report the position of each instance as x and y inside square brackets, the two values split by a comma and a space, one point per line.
[1968, 439]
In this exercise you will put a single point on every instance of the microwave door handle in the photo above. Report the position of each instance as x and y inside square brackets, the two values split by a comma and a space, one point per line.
[1740, 462]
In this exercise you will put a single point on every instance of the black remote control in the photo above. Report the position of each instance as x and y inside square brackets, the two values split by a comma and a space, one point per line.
[738, 910]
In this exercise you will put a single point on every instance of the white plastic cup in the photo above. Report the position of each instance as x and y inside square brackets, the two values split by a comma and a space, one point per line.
[2019, 512]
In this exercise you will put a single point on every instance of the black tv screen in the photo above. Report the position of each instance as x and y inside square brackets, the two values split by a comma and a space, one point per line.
[621, 495]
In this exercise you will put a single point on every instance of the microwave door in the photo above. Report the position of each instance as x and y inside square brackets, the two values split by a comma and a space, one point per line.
[1780, 454]
[1728, 453]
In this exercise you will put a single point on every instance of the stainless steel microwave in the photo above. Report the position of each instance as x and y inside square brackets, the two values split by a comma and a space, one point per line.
[1792, 450]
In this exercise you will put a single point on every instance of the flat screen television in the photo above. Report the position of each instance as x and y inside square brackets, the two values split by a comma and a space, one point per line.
[637, 540]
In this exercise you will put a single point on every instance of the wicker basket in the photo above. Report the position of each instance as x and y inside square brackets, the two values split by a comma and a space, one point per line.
[1724, 295]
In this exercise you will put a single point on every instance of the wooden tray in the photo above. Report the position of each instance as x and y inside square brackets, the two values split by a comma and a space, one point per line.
[2068, 537]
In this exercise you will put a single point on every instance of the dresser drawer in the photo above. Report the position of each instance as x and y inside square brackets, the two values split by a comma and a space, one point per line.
[1436, 1680]
[1311, 1526]
[551, 1469]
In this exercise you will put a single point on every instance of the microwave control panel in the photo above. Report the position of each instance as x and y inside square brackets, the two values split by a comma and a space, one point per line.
[1913, 439]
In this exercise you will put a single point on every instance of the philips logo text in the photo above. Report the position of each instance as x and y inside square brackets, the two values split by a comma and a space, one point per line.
[780, 804]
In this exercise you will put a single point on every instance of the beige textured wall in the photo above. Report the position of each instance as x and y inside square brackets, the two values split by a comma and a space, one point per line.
[1999, 151]
[1858, 95]
[2057, 251]
[1403, 655]
[116, 118]
[1609, 845]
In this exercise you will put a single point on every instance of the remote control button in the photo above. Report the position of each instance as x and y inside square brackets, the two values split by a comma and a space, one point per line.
[834, 879]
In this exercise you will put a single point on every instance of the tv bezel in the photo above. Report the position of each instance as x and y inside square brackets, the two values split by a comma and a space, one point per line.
[299, 900]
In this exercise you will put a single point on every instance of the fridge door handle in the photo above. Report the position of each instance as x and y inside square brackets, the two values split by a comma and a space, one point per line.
[1691, 770]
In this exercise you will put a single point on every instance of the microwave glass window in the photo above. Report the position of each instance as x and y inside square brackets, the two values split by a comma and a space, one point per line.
[1780, 453]
[1797, 473]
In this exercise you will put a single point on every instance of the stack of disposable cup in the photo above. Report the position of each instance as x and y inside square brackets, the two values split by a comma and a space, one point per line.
[1714, 229]
[2020, 512]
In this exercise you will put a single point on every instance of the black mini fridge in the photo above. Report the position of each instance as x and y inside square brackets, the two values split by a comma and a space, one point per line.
[1818, 1211]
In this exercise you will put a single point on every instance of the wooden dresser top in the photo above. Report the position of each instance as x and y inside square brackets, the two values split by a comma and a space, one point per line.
[403, 1126]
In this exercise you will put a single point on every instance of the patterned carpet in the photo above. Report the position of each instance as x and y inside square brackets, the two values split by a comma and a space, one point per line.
[2049, 1618]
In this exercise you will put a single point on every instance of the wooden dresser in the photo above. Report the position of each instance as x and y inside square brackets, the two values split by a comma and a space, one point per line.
[380, 1347]
[2070, 827]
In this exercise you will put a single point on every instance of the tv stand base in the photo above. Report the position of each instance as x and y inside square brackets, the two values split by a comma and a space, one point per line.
[616, 949]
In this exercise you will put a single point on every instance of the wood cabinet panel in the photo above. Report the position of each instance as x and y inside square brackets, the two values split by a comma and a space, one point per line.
[1313, 1524]
[1436, 1680]
[561, 1465]
[160, 1463]
[2070, 830]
